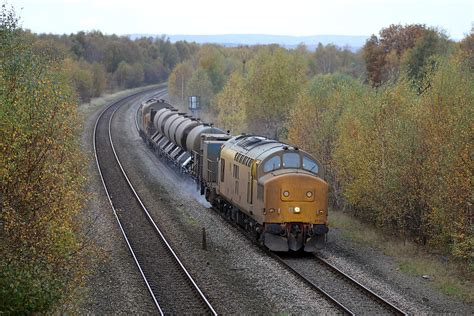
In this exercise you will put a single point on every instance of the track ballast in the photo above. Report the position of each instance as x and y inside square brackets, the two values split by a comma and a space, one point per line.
[357, 298]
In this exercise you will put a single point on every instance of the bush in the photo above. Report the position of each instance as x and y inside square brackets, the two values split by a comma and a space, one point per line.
[42, 174]
[403, 158]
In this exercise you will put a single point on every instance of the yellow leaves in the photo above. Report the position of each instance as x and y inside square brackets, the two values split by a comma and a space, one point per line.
[404, 160]
[231, 106]
[41, 169]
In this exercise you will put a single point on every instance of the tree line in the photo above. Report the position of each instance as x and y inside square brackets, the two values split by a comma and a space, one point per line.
[95, 62]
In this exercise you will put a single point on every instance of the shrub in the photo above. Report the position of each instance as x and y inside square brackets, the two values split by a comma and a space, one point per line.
[42, 175]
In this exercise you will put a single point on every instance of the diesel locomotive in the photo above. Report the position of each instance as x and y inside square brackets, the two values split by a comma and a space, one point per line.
[274, 191]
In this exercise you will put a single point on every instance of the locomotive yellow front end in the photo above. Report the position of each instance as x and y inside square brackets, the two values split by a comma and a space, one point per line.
[276, 191]
[295, 210]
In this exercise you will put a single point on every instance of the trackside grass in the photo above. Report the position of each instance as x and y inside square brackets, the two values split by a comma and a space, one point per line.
[446, 275]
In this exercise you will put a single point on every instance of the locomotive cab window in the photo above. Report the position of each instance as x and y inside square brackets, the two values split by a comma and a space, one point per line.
[291, 160]
[272, 164]
[310, 165]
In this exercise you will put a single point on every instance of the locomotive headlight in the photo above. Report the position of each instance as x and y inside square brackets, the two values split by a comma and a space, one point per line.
[309, 194]
[286, 193]
[297, 209]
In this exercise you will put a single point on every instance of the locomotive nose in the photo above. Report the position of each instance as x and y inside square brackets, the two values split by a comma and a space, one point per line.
[296, 198]
[295, 212]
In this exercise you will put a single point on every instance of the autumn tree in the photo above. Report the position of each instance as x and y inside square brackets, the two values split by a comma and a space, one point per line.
[273, 81]
[200, 85]
[89, 80]
[384, 55]
[402, 157]
[445, 118]
[178, 80]
[211, 59]
[42, 176]
[231, 104]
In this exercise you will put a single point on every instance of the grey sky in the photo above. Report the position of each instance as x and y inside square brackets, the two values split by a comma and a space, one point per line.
[297, 17]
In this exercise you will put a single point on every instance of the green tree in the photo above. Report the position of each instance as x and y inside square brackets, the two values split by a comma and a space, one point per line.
[419, 60]
[231, 104]
[326, 58]
[467, 48]
[384, 55]
[273, 82]
[178, 80]
[200, 85]
[129, 75]
[154, 71]
[99, 79]
[211, 59]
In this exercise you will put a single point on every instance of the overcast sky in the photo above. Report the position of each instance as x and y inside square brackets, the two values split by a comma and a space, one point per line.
[275, 17]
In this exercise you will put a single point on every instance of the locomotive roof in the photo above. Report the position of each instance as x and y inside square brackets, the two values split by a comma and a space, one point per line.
[255, 147]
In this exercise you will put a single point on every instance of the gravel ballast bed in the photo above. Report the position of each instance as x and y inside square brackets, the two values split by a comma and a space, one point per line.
[342, 289]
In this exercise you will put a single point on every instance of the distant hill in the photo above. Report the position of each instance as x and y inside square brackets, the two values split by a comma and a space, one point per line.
[353, 42]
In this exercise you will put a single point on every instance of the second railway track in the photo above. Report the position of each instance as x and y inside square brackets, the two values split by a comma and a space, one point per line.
[171, 287]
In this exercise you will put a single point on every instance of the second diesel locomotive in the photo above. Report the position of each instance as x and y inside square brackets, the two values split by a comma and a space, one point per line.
[272, 190]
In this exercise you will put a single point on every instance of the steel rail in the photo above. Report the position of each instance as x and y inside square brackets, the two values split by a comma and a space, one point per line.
[310, 283]
[363, 288]
[155, 301]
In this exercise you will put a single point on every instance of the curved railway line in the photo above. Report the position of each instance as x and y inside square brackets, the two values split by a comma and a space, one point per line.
[170, 285]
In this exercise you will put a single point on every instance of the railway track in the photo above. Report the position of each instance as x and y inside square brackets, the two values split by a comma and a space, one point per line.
[352, 297]
[170, 285]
